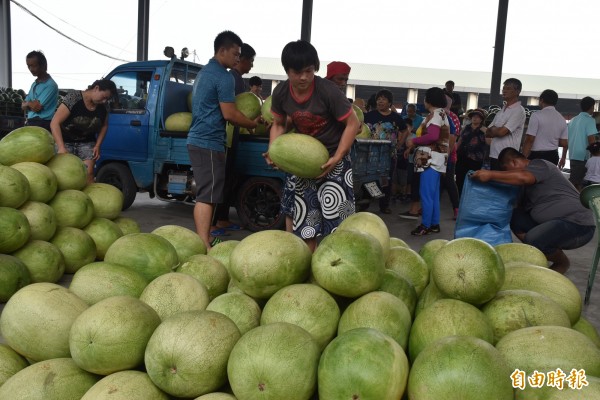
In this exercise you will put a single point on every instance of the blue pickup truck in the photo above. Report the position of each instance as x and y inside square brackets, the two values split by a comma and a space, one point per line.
[140, 155]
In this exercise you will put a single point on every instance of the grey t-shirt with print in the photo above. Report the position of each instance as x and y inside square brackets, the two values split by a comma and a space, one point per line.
[552, 196]
[319, 115]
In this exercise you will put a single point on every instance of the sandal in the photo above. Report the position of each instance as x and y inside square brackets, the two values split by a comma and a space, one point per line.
[232, 227]
[434, 229]
[219, 232]
[215, 241]
[420, 230]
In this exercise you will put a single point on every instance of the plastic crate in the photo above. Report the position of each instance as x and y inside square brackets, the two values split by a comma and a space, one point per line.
[11, 109]
[370, 160]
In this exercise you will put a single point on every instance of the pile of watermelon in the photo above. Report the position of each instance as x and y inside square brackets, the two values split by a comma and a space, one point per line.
[157, 316]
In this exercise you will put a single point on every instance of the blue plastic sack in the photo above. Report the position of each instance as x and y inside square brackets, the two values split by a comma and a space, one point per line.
[485, 210]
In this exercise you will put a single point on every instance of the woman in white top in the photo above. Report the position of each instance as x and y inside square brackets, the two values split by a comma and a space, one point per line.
[592, 165]
[431, 156]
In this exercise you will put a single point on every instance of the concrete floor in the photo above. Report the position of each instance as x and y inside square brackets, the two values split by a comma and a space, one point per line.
[152, 213]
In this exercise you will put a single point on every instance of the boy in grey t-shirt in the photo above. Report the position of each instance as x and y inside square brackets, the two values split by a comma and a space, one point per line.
[550, 215]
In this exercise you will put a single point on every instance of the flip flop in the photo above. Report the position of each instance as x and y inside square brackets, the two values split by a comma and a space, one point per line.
[233, 227]
[219, 232]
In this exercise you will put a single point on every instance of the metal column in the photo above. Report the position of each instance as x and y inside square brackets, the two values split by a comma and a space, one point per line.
[143, 29]
[495, 97]
[5, 45]
[305, 29]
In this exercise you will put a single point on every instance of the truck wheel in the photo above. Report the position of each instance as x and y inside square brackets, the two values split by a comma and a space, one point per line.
[119, 176]
[259, 204]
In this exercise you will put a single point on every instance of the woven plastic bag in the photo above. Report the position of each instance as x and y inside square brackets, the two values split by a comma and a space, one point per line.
[485, 210]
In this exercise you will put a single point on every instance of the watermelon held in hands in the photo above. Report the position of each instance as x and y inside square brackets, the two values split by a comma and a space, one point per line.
[299, 154]
[248, 104]
[265, 110]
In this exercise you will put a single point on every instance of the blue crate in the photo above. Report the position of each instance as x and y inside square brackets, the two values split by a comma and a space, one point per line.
[370, 160]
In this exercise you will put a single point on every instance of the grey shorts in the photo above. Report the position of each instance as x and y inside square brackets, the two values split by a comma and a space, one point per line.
[577, 171]
[84, 150]
[208, 167]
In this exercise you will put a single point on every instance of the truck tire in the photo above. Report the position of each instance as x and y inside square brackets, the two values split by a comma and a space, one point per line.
[119, 176]
[259, 204]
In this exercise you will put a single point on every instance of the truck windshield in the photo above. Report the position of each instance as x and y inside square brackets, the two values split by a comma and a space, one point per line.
[132, 88]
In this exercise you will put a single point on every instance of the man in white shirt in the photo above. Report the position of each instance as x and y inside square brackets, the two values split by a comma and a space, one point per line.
[506, 130]
[547, 131]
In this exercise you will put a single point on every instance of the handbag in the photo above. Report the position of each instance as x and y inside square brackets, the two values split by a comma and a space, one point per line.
[485, 210]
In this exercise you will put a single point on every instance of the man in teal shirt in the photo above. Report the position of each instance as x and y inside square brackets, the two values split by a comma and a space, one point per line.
[213, 103]
[582, 130]
[42, 99]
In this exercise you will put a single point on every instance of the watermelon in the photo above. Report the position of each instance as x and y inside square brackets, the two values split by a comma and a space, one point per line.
[14, 229]
[400, 287]
[242, 309]
[372, 224]
[13, 276]
[11, 362]
[43, 260]
[76, 246]
[41, 218]
[125, 385]
[42, 181]
[447, 317]
[248, 104]
[515, 309]
[174, 292]
[104, 233]
[37, 319]
[107, 199]
[521, 252]
[410, 265]
[150, 255]
[70, 171]
[99, 280]
[298, 154]
[186, 242]
[72, 208]
[264, 262]
[306, 305]
[274, 361]
[56, 379]
[15, 187]
[187, 354]
[362, 363]
[179, 122]
[265, 110]
[378, 310]
[546, 348]
[348, 263]
[29, 143]
[547, 282]
[209, 271]
[112, 334]
[459, 368]
[468, 269]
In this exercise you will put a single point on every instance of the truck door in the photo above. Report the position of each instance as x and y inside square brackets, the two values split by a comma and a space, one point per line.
[128, 128]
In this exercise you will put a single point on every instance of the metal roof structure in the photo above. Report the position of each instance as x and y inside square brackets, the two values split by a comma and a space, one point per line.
[423, 78]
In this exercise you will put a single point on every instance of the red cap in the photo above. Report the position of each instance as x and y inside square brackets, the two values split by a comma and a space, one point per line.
[337, 67]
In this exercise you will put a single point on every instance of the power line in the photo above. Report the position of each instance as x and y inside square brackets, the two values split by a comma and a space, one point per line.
[66, 36]
[75, 27]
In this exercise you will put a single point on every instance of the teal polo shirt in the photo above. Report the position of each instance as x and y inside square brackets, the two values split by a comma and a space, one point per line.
[214, 85]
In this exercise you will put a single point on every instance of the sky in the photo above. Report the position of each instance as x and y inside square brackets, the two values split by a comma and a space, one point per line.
[544, 37]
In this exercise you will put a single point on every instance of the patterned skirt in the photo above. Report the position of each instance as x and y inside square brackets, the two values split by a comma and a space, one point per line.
[318, 206]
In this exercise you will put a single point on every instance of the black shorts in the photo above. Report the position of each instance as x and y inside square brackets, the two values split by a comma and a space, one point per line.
[577, 172]
[208, 167]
